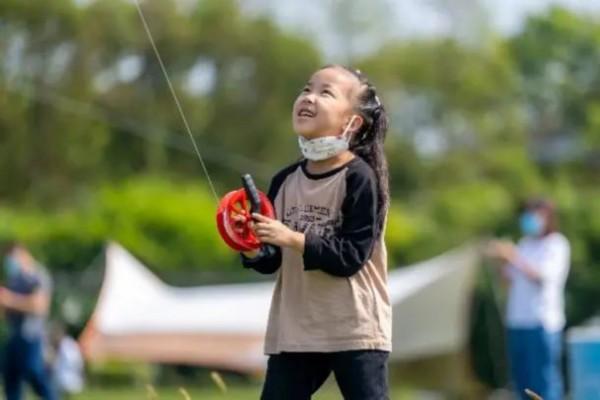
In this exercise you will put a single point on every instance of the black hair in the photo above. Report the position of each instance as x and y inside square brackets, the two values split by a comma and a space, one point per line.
[367, 143]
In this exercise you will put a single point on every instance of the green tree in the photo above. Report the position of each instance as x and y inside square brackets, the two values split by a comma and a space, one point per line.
[557, 56]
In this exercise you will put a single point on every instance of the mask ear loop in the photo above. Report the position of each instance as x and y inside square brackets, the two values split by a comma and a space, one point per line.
[347, 128]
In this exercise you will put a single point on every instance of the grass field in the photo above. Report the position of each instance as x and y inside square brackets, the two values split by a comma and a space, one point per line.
[250, 392]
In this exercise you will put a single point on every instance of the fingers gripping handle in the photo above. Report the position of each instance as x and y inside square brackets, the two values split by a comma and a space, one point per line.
[255, 207]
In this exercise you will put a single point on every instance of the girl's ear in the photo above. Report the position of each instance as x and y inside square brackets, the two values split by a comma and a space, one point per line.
[355, 123]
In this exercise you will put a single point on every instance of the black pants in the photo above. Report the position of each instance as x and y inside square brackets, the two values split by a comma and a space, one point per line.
[360, 375]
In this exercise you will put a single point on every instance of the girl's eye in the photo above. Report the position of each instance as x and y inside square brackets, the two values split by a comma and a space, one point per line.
[305, 90]
[328, 92]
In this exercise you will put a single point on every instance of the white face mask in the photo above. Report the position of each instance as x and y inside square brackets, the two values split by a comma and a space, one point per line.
[325, 147]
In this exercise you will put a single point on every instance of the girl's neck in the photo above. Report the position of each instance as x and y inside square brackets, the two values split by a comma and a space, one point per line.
[322, 166]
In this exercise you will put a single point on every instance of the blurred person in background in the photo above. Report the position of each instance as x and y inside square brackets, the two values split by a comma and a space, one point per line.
[25, 300]
[66, 362]
[536, 271]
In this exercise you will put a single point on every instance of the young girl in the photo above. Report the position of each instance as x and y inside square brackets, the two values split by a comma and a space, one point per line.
[330, 310]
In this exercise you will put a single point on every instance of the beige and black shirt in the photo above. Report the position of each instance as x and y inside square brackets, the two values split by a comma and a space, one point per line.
[334, 297]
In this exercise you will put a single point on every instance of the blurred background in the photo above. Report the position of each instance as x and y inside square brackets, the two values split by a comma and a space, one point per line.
[490, 102]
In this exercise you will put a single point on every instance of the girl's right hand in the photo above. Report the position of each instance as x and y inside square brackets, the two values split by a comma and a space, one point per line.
[241, 218]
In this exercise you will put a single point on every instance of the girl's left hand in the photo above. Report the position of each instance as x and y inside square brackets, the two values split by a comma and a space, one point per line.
[274, 232]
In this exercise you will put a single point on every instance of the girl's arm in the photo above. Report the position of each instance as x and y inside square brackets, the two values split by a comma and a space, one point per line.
[345, 253]
[260, 261]
[265, 264]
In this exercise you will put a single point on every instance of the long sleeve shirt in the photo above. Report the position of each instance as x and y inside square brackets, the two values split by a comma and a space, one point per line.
[334, 296]
[542, 303]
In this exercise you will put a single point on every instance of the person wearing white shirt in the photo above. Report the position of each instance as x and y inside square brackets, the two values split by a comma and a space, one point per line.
[69, 367]
[66, 363]
[536, 270]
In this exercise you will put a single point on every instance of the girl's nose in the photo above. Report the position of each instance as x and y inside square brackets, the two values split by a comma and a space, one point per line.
[309, 98]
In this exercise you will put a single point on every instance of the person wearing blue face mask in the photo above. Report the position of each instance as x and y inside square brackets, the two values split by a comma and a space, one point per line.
[536, 270]
[25, 300]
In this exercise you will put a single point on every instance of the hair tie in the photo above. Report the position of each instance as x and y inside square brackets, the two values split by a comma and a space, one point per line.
[377, 101]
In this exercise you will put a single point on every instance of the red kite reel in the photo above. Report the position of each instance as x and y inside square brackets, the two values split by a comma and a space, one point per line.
[238, 234]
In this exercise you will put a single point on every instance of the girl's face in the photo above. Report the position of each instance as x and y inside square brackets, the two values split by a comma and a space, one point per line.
[326, 104]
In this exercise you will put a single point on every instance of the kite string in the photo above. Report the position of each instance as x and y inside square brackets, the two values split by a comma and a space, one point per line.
[175, 97]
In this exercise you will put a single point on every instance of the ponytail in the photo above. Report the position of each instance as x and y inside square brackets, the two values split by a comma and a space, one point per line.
[368, 145]
[368, 142]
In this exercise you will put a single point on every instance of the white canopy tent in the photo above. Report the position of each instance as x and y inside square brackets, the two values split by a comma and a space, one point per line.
[138, 317]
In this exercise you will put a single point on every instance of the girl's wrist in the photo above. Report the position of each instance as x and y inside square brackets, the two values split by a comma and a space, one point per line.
[297, 241]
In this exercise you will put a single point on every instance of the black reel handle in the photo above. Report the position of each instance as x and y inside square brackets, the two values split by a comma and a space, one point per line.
[251, 193]
[255, 206]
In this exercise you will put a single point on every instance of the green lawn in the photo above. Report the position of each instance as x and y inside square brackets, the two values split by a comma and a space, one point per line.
[328, 392]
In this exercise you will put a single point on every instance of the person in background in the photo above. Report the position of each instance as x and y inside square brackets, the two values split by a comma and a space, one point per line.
[66, 362]
[536, 270]
[25, 300]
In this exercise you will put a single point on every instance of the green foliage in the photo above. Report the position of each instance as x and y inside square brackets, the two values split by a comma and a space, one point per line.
[170, 225]
[557, 55]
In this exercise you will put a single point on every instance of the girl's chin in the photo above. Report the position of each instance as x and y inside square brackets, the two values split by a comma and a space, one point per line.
[305, 133]
[309, 136]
